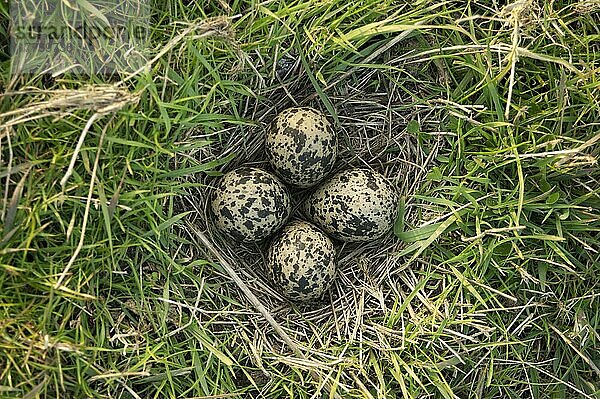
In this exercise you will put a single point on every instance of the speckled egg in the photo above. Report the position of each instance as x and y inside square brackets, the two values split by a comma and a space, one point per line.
[354, 205]
[301, 146]
[301, 261]
[250, 204]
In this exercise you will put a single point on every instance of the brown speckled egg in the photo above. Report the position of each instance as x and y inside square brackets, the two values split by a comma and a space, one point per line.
[301, 261]
[250, 204]
[301, 146]
[354, 205]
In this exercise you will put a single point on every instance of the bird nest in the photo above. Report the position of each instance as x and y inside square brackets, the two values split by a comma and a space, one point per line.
[372, 115]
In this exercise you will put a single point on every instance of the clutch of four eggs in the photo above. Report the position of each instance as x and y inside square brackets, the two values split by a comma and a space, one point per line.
[250, 204]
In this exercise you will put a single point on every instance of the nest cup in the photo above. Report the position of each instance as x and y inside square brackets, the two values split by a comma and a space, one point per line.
[370, 135]
[371, 128]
